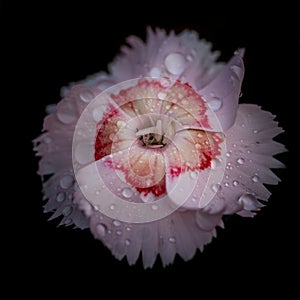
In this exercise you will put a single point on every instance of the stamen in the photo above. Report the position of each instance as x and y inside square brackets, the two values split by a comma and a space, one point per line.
[152, 136]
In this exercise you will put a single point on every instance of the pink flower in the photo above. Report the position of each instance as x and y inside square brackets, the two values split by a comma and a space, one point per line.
[152, 155]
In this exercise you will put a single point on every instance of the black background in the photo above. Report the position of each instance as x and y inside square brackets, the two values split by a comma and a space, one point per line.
[48, 45]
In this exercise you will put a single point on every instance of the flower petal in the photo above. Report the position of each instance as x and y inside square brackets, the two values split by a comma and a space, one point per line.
[223, 92]
[248, 161]
[196, 180]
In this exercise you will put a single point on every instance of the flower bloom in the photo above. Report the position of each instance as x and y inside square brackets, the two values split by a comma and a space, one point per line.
[153, 154]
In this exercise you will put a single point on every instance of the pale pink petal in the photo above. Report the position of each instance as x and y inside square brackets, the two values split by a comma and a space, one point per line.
[223, 92]
[55, 147]
[250, 148]
[196, 176]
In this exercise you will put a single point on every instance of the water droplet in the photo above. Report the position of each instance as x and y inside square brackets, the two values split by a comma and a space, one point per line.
[86, 96]
[154, 207]
[155, 72]
[255, 131]
[165, 82]
[215, 104]
[175, 63]
[66, 113]
[255, 178]
[121, 124]
[226, 184]
[98, 113]
[112, 207]
[197, 146]
[189, 57]
[66, 181]
[249, 202]
[60, 197]
[119, 232]
[162, 95]
[228, 154]
[127, 192]
[172, 240]
[117, 223]
[235, 183]
[194, 174]
[147, 197]
[51, 108]
[127, 242]
[68, 221]
[67, 211]
[84, 153]
[216, 187]
[215, 163]
[101, 230]
[149, 182]
[128, 228]
[240, 161]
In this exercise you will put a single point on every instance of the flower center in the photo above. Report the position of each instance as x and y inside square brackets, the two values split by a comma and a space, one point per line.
[156, 136]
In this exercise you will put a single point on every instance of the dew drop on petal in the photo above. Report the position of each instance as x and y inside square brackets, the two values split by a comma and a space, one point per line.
[101, 230]
[98, 113]
[112, 207]
[66, 181]
[154, 207]
[68, 221]
[155, 72]
[215, 163]
[172, 240]
[147, 197]
[67, 211]
[117, 223]
[248, 201]
[121, 124]
[255, 178]
[215, 104]
[240, 161]
[60, 197]
[189, 57]
[161, 95]
[165, 82]
[175, 63]
[235, 183]
[66, 115]
[83, 153]
[119, 232]
[51, 108]
[216, 187]
[127, 192]
[86, 96]
[194, 174]
[127, 242]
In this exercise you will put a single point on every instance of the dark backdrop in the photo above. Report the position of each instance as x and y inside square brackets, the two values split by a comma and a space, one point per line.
[49, 45]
